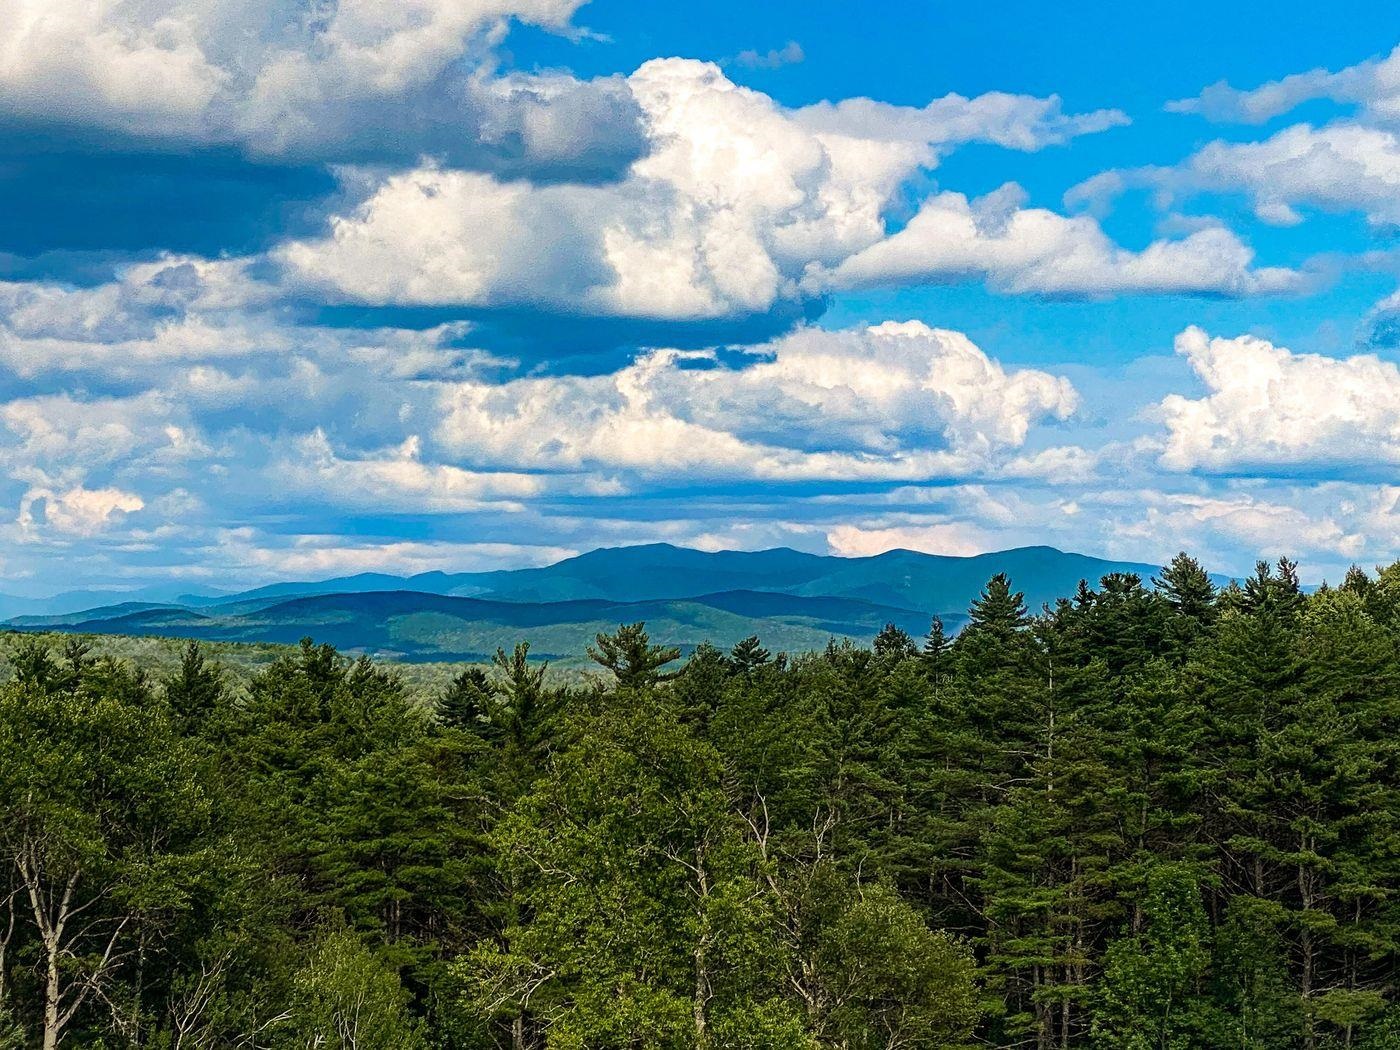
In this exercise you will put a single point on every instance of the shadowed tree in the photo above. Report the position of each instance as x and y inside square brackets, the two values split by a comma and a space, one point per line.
[894, 643]
[195, 690]
[469, 703]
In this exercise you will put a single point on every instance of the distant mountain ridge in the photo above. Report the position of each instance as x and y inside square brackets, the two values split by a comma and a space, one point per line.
[661, 570]
[792, 600]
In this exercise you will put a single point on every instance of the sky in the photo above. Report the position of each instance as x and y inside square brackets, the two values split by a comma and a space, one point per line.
[302, 288]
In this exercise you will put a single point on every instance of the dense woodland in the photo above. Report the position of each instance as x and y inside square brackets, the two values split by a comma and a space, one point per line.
[1154, 816]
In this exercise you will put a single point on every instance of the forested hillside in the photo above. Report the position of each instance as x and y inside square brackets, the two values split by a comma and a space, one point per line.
[1153, 816]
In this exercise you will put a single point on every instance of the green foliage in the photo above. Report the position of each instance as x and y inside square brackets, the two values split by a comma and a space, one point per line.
[345, 996]
[631, 657]
[1152, 816]
[1150, 981]
[749, 654]
[891, 981]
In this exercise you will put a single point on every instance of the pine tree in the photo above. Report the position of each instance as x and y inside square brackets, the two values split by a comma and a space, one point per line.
[936, 656]
[1188, 589]
[631, 657]
[998, 610]
[748, 654]
[522, 692]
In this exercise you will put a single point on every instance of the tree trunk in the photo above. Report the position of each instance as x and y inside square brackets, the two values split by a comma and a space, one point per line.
[50, 919]
[1307, 897]
[52, 991]
[702, 940]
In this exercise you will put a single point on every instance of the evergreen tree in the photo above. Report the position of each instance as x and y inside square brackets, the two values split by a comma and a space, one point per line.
[1157, 817]
[935, 652]
[1189, 592]
[894, 643]
[631, 657]
[469, 703]
[998, 610]
[196, 691]
[748, 654]
[522, 691]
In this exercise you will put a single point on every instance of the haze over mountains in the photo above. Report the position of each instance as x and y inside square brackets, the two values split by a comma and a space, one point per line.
[791, 600]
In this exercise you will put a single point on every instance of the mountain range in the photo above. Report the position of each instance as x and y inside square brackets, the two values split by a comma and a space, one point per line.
[791, 600]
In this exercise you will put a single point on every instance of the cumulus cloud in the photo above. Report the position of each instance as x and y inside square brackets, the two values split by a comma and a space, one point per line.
[210, 416]
[1266, 407]
[367, 78]
[1351, 164]
[1340, 167]
[734, 203]
[77, 511]
[890, 401]
[1020, 249]
[397, 479]
[1216, 526]
[1021, 122]
[363, 80]
[271, 415]
[152, 312]
[59, 436]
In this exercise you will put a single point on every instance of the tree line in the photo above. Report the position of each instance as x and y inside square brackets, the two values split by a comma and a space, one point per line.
[1156, 815]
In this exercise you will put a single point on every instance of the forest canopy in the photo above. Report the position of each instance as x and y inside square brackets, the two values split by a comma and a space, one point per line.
[1156, 815]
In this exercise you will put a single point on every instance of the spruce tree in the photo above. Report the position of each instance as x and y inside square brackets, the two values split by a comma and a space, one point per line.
[469, 703]
[195, 691]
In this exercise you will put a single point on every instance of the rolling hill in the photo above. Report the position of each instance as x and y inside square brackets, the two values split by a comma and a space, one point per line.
[419, 626]
[791, 600]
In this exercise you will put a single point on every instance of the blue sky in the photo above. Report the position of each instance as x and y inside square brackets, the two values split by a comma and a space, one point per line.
[290, 290]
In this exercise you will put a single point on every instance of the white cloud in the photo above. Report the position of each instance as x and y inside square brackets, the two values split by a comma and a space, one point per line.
[152, 313]
[953, 538]
[1268, 407]
[1021, 122]
[1230, 529]
[312, 420]
[1349, 164]
[58, 435]
[1062, 464]
[890, 401]
[81, 59]
[1340, 167]
[76, 511]
[1374, 83]
[276, 75]
[789, 54]
[317, 556]
[734, 202]
[1034, 250]
[397, 479]
[356, 80]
